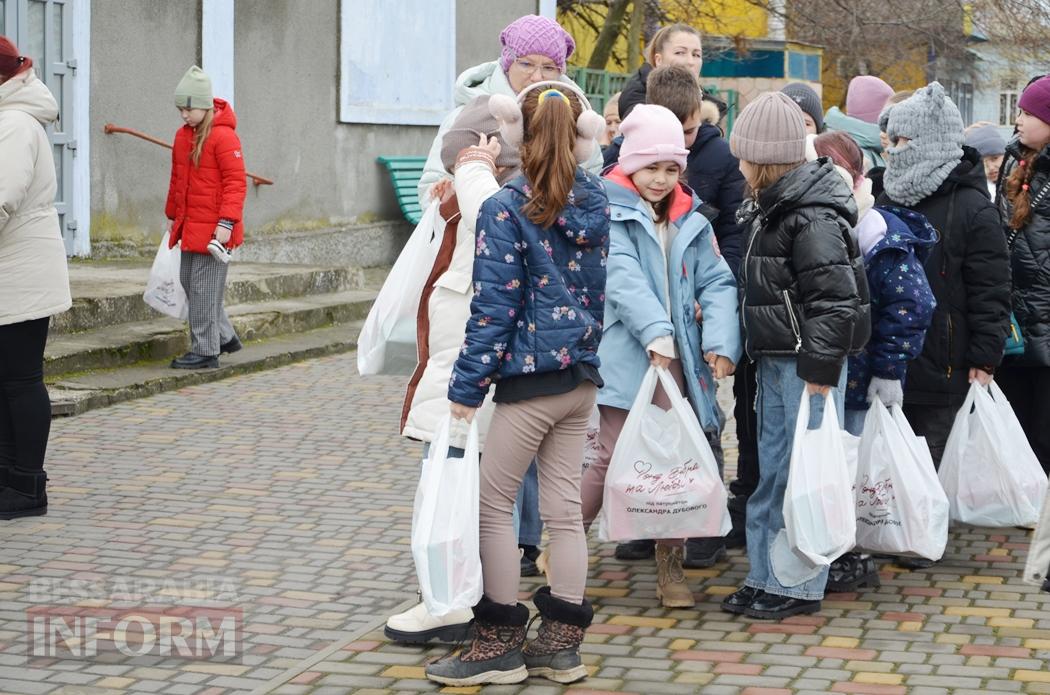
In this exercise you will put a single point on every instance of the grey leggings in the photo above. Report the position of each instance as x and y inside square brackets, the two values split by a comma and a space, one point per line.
[552, 429]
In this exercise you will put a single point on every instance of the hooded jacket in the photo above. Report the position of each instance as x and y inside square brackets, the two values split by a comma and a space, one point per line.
[865, 134]
[969, 272]
[480, 80]
[34, 280]
[714, 175]
[902, 303]
[639, 309]
[1030, 262]
[803, 291]
[199, 196]
[539, 294]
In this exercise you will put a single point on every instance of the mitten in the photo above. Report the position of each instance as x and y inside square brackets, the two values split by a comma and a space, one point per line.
[889, 391]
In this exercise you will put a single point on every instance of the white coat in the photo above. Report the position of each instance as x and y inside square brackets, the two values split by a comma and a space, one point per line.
[34, 280]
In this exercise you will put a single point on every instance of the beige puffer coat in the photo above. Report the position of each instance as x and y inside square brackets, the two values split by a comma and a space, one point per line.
[34, 280]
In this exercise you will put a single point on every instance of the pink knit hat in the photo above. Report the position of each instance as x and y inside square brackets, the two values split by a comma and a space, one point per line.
[866, 96]
[651, 134]
[1036, 99]
[534, 34]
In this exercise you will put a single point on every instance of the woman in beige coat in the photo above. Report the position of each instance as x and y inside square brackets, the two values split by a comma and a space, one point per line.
[34, 281]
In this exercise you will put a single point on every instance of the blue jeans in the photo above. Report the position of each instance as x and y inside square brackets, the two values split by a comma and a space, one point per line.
[456, 452]
[779, 395]
[854, 420]
[529, 525]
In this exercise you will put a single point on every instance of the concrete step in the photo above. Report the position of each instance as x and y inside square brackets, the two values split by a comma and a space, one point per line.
[125, 344]
[75, 394]
[108, 293]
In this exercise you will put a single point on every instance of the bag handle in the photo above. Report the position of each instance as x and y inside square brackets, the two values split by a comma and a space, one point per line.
[674, 394]
[830, 418]
[441, 440]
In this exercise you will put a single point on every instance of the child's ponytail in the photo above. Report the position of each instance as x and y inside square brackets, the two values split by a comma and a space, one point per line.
[200, 134]
[547, 159]
[1017, 189]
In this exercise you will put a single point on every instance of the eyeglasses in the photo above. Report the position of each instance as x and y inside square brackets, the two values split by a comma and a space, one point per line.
[549, 72]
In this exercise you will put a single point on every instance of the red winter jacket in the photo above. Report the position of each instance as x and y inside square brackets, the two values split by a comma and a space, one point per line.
[199, 196]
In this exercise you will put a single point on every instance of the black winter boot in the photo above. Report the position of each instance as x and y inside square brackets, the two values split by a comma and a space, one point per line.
[495, 654]
[24, 494]
[555, 653]
[851, 572]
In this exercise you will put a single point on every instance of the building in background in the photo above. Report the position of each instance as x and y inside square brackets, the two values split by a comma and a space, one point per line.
[320, 87]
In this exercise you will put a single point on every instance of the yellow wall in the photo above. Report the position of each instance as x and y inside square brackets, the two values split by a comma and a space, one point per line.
[904, 74]
[723, 17]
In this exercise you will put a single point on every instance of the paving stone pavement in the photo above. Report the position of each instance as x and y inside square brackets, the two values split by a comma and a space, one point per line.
[287, 494]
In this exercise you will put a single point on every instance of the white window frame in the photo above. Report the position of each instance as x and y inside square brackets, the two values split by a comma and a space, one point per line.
[1012, 97]
[357, 44]
[80, 209]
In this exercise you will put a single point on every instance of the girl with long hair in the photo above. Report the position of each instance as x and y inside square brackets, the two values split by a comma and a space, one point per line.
[535, 325]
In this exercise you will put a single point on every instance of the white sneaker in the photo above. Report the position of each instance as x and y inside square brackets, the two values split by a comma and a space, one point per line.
[417, 626]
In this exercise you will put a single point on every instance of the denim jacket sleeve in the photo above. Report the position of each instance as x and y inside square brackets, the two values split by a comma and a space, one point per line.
[499, 286]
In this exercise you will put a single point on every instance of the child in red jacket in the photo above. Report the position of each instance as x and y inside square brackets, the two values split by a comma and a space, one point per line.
[205, 202]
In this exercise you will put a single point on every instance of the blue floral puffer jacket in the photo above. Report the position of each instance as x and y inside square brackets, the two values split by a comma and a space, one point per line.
[902, 302]
[539, 294]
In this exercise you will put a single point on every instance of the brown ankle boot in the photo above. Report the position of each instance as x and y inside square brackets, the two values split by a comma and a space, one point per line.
[671, 587]
[555, 653]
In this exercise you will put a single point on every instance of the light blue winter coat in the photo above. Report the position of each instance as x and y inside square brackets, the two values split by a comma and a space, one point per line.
[636, 310]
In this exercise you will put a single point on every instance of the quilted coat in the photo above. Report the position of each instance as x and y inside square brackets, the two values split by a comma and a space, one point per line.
[199, 196]
[539, 294]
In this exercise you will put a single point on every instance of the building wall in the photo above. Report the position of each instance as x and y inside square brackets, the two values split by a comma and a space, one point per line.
[286, 81]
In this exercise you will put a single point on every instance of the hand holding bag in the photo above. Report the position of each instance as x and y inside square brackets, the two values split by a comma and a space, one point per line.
[663, 481]
[164, 291]
[445, 526]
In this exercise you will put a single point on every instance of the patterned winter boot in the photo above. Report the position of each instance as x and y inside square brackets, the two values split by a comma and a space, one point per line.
[495, 654]
[555, 653]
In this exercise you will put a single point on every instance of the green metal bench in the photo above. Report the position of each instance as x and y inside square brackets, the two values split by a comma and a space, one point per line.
[405, 173]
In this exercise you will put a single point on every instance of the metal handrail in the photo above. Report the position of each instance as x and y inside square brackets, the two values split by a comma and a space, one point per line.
[110, 128]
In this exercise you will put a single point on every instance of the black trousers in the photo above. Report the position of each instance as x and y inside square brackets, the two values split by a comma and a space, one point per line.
[1028, 390]
[934, 422]
[25, 409]
[745, 389]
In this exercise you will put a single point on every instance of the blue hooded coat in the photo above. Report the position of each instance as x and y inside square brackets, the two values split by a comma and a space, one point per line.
[902, 303]
[637, 310]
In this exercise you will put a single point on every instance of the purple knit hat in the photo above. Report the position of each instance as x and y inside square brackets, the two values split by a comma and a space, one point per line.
[534, 34]
[1036, 99]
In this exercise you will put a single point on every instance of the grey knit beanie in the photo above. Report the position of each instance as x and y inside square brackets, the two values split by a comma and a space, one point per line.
[986, 140]
[472, 121]
[770, 130]
[934, 128]
[807, 100]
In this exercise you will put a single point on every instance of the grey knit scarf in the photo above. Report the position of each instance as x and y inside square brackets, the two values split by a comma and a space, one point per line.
[915, 170]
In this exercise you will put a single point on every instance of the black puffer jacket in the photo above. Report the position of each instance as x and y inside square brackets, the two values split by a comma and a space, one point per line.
[714, 175]
[633, 93]
[803, 290]
[969, 274]
[1030, 261]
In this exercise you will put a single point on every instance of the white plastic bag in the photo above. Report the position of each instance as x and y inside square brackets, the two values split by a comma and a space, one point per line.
[900, 505]
[663, 481]
[989, 471]
[164, 291]
[818, 501]
[445, 526]
[387, 344]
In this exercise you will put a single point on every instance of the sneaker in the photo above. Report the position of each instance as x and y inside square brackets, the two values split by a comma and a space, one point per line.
[636, 550]
[192, 360]
[701, 553]
[494, 656]
[418, 626]
[851, 572]
[555, 653]
[219, 252]
[230, 346]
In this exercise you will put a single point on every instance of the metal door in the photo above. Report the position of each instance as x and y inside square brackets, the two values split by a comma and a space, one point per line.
[43, 30]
